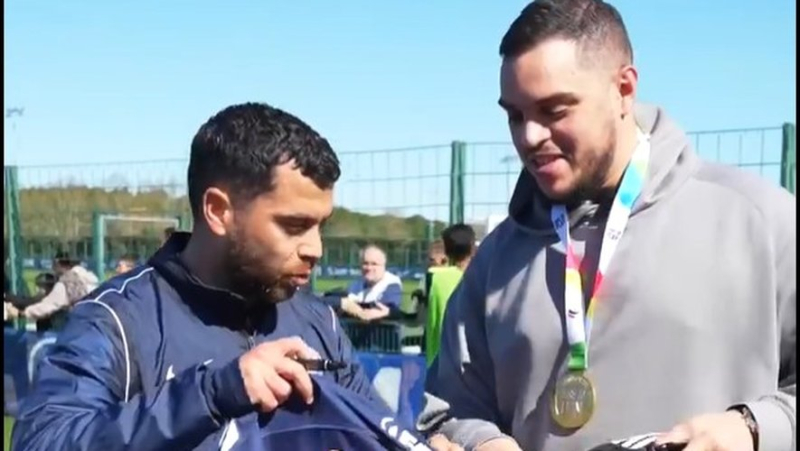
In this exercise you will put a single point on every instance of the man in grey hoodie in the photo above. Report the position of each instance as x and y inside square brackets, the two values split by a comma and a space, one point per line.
[692, 331]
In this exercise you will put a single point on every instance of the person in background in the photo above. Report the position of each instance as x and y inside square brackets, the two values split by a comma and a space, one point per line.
[45, 282]
[634, 288]
[436, 254]
[126, 263]
[15, 304]
[74, 282]
[459, 246]
[10, 311]
[377, 293]
[436, 259]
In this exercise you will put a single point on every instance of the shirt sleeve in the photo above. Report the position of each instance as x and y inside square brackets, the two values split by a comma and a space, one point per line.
[462, 375]
[776, 412]
[82, 397]
[392, 295]
[56, 300]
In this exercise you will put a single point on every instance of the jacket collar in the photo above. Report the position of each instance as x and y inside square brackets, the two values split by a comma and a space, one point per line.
[212, 305]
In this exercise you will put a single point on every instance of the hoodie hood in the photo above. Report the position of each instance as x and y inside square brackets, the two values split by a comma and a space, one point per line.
[672, 162]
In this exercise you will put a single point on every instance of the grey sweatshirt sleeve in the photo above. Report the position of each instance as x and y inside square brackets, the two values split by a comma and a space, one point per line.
[775, 412]
[464, 375]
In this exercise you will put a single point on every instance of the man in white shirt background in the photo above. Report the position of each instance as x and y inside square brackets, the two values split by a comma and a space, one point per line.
[377, 293]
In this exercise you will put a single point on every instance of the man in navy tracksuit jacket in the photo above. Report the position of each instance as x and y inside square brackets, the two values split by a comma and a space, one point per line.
[149, 361]
[191, 351]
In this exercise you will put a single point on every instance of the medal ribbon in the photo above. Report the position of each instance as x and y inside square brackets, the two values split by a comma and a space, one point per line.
[578, 325]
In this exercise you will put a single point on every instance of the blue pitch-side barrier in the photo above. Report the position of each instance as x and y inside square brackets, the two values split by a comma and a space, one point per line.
[399, 379]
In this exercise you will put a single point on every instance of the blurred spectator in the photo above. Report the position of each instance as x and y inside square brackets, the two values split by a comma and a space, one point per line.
[45, 282]
[9, 311]
[436, 259]
[376, 294]
[74, 282]
[17, 303]
[436, 254]
[459, 244]
[126, 263]
[44, 285]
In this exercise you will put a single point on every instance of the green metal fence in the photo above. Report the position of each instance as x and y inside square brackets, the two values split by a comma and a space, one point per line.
[398, 182]
[492, 167]
[400, 198]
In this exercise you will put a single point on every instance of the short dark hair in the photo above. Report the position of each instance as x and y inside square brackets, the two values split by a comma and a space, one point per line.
[459, 241]
[240, 146]
[593, 24]
[63, 259]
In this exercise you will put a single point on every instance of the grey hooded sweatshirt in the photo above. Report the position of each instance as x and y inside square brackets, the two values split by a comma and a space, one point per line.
[696, 312]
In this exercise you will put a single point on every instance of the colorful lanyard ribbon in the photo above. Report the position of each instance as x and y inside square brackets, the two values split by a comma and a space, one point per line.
[578, 328]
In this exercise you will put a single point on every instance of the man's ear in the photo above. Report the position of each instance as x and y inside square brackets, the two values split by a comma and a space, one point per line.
[217, 211]
[627, 84]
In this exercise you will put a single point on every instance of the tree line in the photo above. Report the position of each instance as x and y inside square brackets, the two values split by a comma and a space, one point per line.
[65, 213]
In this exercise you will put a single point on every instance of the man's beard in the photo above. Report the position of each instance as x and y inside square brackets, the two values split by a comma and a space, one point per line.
[591, 186]
[246, 276]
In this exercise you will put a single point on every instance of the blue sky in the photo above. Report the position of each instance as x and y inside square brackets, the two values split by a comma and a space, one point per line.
[106, 81]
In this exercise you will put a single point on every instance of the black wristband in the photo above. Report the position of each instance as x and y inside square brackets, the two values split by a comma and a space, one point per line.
[750, 421]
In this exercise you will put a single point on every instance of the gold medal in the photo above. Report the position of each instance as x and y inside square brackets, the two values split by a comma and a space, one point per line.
[573, 400]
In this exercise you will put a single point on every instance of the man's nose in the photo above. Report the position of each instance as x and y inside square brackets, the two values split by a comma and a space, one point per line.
[534, 134]
[311, 248]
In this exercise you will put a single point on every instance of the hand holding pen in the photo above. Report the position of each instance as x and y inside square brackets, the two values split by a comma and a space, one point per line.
[271, 372]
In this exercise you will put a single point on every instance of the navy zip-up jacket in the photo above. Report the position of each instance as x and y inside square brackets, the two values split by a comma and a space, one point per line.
[149, 361]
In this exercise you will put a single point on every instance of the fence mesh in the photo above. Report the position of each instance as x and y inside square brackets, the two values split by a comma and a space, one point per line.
[397, 198]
